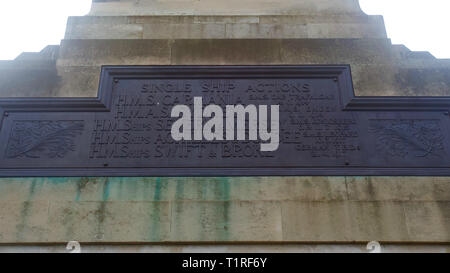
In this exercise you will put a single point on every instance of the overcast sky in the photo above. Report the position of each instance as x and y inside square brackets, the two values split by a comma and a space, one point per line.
[30, 25]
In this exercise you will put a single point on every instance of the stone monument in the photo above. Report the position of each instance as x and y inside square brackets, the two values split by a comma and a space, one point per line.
[225, 213]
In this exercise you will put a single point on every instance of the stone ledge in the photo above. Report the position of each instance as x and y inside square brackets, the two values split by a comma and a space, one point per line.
[226, 19]
[221, 27]
[219, 7]
[225, 51]
[305, 189]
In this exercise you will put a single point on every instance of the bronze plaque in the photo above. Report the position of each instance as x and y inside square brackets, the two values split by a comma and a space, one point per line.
[225, 121]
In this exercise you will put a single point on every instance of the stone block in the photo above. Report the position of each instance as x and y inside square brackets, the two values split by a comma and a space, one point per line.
[109, 221]
[336, 51]
[288, 188]
[428, 221]
[265, 31]
[316, 221]
[24, 221]
[196, 52]
[379, 221]
[230, 7]
[242, 19]
[429, 81]
[184, 31]
[28, 78]
[333, 31]
[78, 81]
[398, 80]
[213, 27]
[344, 222]
[226, 221]
[398, 188]
[375, 80]
[105, 31]
[114, 52]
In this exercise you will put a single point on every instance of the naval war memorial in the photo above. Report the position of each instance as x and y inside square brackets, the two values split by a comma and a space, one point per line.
[236, 126]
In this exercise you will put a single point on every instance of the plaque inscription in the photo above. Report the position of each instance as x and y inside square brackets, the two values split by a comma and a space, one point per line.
[225, 121]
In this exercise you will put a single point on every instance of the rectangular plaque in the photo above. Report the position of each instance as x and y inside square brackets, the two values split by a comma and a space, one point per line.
[224, 121]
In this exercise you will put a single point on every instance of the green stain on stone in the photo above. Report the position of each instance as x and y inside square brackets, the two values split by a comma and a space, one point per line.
[157, 193]
[81, 184]
[225, 183]
[155, 229]
[203, 189]
[32, 189]
[120, 188]
[23, 216]
[26, 210]
[106, 190]
[155, 208]
[145, 189]
[179, 191]
[225, 192]
[101, 212]
[59, 180]
[131, 188]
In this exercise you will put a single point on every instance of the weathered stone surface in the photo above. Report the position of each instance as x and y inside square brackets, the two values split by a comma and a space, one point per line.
[105, 31]
[24, 221]
[261, 31]
[218, 7]
[316, 221]
[350, 51]
[109, 221]
[77, 81]
[221, 27]
[425, 189]
[227, 189]
[226, 221]
[184, 31]
[107, 52]
[258, 209]
[391, 221]
[30, 74]
[28, 79]
[428, 221]
[178, 188]
[226, 52]
[382, 221]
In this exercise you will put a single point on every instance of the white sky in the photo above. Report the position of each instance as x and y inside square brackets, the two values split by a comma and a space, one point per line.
[30, 25]
[421, 25]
